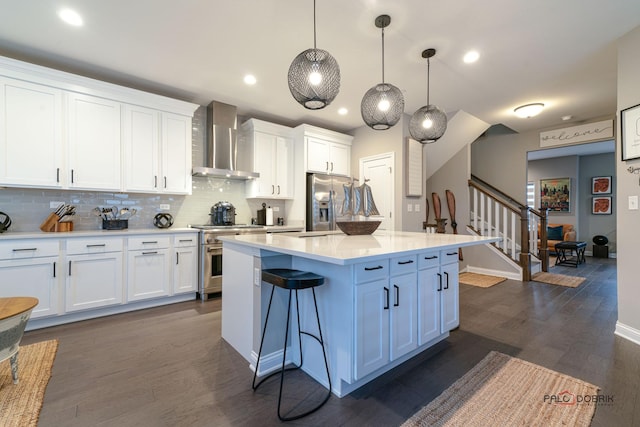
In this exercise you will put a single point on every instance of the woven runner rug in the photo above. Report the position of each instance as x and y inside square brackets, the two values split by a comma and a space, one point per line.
[506, 391]
[480, 280]
[20, 403]
[558, 279]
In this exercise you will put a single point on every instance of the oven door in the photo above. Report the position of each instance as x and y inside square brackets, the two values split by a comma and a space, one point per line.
[211, 279]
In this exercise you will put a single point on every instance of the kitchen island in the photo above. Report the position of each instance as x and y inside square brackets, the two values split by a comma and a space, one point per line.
[386, 297]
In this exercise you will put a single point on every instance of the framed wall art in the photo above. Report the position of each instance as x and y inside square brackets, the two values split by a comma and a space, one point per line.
[601, 205]
[555, 194]
[630, 132]
[601, 185]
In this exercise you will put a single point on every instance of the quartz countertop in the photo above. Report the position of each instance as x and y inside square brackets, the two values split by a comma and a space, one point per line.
[8, 235]
[339, 248]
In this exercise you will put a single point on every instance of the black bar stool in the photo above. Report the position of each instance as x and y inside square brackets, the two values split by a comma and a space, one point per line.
[293, 280]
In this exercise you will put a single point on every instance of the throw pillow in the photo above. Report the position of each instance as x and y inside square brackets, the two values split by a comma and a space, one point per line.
[554, 233]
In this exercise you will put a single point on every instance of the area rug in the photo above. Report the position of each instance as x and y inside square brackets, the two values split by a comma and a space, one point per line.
[558, 279]
[480, 280]
[20, 403]
[506, 391]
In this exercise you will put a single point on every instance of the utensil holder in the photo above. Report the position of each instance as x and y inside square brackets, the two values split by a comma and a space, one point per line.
[115, 224]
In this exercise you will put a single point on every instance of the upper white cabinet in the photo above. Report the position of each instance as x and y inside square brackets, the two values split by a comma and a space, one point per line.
[30, 134]
[157, 151]
[326, 151]
[270, 152]
[94, 143]
[90, 135]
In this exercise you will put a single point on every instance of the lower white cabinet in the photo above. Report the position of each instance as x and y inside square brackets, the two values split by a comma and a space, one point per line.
[148, 268]
[386, 314]
[94, 273]
[31, 268]
[185, 269]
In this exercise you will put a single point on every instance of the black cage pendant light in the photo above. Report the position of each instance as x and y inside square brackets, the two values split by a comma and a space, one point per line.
[429, 123]
[314, 75]
[382, 105]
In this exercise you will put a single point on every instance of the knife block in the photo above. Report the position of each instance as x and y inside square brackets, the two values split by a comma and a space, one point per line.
[50, 223]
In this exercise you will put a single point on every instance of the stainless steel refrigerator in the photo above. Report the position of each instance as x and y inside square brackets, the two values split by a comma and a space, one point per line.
[325, 197]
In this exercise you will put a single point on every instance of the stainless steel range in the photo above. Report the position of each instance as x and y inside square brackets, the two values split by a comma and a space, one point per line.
[210, 260]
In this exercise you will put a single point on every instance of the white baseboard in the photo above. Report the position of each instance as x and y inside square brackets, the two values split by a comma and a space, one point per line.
[509, 275]
[627, 332]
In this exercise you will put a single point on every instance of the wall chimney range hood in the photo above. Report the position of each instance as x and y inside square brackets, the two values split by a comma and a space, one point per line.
[221, 145]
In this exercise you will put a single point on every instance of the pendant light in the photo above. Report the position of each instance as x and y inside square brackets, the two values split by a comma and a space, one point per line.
[382, 105]
[429, 123]
[314, 75]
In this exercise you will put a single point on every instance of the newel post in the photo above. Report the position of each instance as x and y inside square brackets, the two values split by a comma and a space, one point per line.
[525, 256]
[544, 250]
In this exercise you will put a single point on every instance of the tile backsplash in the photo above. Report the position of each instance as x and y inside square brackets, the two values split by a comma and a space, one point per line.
[28, 208]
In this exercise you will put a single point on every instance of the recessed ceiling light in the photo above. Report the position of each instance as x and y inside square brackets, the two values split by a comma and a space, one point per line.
[565, 118]
[471, 56]
[250, 79]
[343, 111]
[529, 110]
[71, 17]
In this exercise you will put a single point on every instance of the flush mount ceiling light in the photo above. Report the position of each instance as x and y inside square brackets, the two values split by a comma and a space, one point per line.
[529, 110]
[382, 105]
[71, 17]
[429, 123]
[314, 75]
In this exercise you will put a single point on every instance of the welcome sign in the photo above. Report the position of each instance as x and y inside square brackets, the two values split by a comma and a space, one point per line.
[576, 134]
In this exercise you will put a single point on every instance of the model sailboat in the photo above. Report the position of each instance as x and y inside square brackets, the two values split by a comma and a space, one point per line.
[358, 201]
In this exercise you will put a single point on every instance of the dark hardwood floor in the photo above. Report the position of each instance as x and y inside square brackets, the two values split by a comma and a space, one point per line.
[168, 366]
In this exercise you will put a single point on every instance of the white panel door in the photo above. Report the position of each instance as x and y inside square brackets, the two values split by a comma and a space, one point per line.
[141, 133]
[340, 159]
[176, 154]
[94, 143]
[30, 134]
[149, 274]
[93, 280]
[284, 168]
[185, 272]
[264, 159]
[36, 277]
[403, 315]
[379, 171]
[372, 327]
[429, 290]
[450, 297]
[317, 155]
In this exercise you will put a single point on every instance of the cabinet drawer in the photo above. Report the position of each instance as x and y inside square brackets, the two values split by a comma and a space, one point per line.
[149, 242]
[428, 260]
[28, 248]
[402, 265]
[184, 240]
[94, 245]
[368, 271]
[449, 256]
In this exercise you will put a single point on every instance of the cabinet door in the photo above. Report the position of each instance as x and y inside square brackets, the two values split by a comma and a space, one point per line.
[185, 272]
[176, 154]
[450, 297]
[403, 315]
[340, 158]
[429, 290]
[36, 277]
[93, 280]
[141, 130]
[264, 153]
[372, 327]
[94, 143]
[284, 168]
[317, 155]
[30, 134]
[149, 274]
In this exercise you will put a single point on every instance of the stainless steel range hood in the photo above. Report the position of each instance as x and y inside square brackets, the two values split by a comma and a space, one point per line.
[221, 146]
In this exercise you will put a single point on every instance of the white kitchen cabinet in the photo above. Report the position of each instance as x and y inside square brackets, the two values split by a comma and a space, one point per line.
[328, 157]
[157, 151]
[148, 267]
[31, 268]
[386, 314]
[438, 308]
[94, 273]
[31, 147]
[93, 143]
[272, 150]
[185, 271]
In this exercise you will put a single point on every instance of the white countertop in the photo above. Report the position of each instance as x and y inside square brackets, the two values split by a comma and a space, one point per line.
[343, 249]
[8, 235]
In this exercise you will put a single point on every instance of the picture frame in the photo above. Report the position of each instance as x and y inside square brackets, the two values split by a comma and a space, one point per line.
[630, 132]
[555, 194]
[601, 185]
[601, 205]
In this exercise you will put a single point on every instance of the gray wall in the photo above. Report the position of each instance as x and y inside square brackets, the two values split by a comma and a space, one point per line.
[627, 185]
[558, 167]
[590, 225]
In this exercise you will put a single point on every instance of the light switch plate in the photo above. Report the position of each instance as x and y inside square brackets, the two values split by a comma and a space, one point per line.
[276, 208]
[417, 208]
[409, 207]
[633, 203]
[165, 206]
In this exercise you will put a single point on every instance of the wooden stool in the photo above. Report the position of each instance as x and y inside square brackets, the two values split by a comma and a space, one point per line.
[14, 315]
[292, 280]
